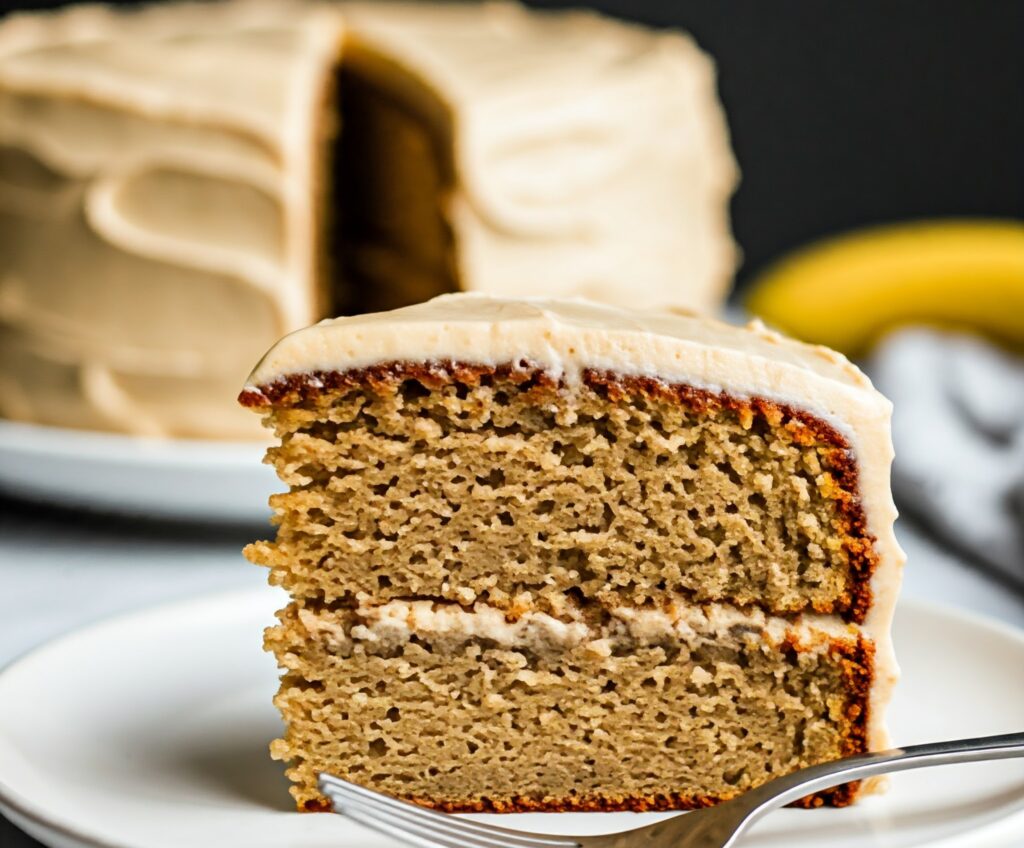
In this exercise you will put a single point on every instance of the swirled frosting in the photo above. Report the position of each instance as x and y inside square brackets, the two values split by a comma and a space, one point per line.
[162, 184]
[591, 156]
[155, 222]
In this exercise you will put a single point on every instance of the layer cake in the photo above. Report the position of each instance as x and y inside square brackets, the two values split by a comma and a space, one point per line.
[552, 555]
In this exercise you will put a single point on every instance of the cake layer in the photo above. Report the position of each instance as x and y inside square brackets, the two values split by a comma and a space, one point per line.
[469, 482]
[672, 707]
[676, 356]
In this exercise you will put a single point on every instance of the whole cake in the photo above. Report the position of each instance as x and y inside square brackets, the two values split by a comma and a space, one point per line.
[181, 185]
[551, 555]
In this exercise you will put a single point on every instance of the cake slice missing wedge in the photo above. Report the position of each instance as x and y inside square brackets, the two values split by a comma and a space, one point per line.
[549, 555]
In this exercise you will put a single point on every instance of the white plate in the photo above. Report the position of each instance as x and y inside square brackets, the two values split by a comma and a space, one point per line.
[150, 731]
[163, 478]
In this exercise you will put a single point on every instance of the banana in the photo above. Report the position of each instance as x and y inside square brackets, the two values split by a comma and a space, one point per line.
[846, 292]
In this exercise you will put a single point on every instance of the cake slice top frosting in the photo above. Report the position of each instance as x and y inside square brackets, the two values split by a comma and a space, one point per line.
[566, 337]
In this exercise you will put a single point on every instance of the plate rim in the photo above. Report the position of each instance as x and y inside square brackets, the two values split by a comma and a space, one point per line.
[13, 801]
[33, 813]
[219, 482]
[31, 439]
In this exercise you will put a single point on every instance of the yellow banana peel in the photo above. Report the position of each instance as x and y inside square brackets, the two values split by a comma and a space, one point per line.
[847, 291]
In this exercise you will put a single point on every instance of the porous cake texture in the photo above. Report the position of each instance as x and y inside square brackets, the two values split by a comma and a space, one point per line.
[547, 555]
[182, 184]
[474, 710]
[622, 489]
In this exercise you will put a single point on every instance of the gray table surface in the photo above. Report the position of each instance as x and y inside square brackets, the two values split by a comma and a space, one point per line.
[60, 570]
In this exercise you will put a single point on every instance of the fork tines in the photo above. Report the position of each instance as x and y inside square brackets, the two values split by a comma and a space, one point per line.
[412, 823]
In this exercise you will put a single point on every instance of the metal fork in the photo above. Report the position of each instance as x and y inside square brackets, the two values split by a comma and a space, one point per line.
[712, 827]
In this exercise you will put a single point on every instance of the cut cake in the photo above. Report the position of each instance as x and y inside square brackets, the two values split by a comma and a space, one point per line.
[550, 555]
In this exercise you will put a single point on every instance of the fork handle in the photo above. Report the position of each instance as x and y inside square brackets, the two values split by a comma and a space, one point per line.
[793, 787]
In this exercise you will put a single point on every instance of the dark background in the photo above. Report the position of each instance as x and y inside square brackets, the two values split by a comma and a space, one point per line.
[848, 113]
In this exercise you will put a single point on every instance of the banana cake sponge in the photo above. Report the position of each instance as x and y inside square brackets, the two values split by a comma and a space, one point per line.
[550, 555]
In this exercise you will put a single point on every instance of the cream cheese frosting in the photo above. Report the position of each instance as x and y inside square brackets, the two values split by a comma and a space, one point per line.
[398, 621]
[567, 337]
[161, 183]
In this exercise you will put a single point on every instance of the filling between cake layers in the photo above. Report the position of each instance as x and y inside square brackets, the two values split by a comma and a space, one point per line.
[656, 586]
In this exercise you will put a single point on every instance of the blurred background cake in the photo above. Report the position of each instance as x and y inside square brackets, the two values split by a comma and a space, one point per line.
[181, 186]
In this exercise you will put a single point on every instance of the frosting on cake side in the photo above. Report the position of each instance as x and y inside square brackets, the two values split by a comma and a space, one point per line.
[586, 151]
[155, 207]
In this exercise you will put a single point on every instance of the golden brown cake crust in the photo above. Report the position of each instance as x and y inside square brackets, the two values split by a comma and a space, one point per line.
[804, 428]
[841, 796]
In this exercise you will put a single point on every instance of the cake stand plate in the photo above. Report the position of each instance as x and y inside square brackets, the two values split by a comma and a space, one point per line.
[151, 731]
[183, 479]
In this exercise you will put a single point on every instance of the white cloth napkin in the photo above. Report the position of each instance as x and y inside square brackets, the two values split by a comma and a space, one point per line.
[958, 430]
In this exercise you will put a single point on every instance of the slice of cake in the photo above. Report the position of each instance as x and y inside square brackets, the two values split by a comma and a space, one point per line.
[549, 555]
[181, 185]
